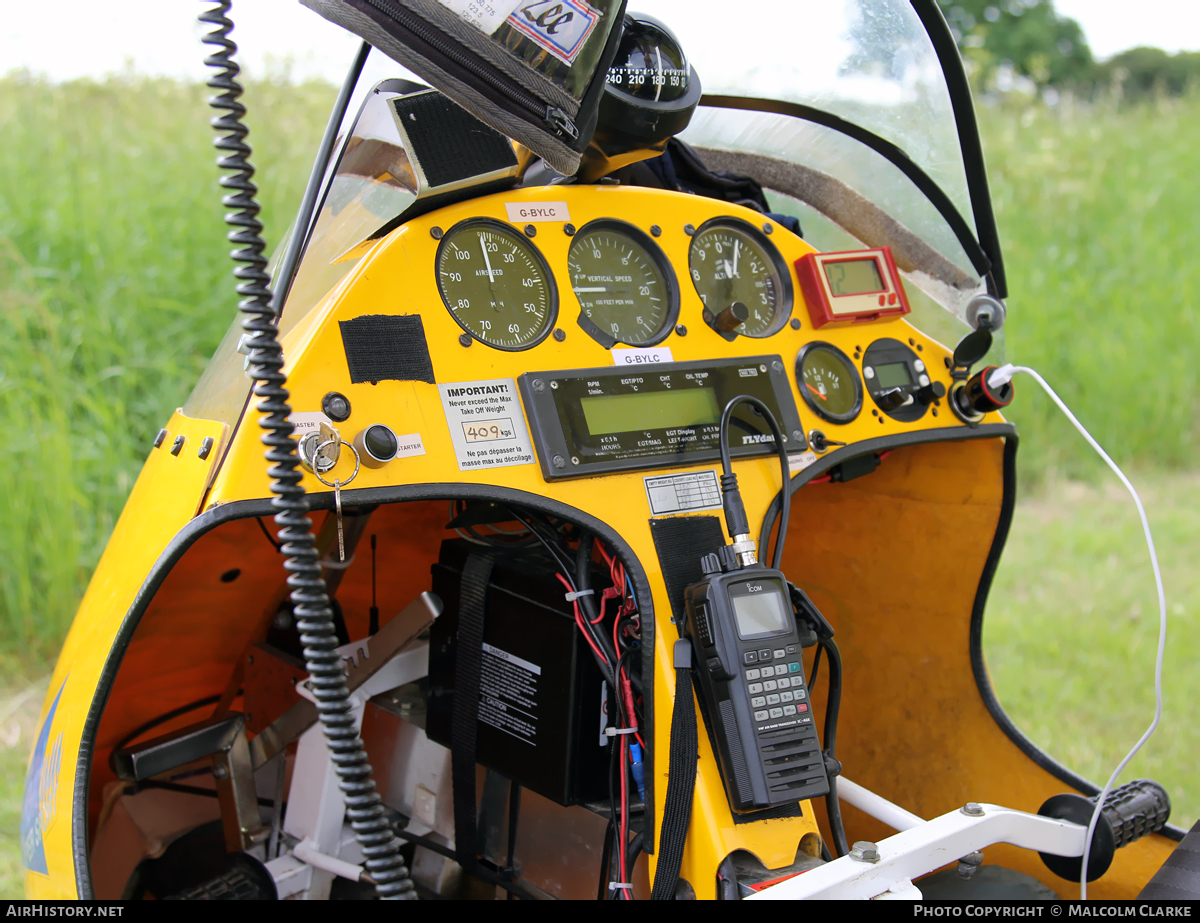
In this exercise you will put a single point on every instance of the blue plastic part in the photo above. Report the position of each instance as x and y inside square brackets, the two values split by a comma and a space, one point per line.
[638, 770]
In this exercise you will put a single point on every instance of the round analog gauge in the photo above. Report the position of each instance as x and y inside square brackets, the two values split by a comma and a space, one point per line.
[829, 382]
[626, 290]
[496, 284]
[731, 260]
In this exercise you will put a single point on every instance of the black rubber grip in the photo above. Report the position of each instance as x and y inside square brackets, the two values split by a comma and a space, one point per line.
[1136, 809]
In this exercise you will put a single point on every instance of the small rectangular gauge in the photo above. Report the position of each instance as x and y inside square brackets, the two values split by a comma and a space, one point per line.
[851, 286]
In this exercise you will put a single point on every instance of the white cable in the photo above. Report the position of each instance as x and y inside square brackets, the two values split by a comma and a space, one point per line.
[998, 379]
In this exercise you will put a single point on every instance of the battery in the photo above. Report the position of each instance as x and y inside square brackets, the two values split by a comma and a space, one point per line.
[543, 702]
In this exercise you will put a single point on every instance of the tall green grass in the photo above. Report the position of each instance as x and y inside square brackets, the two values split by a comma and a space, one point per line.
[114, 289]
[1097, 210]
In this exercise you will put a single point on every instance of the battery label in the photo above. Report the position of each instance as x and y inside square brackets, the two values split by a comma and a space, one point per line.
[508, 693]
[683, 493]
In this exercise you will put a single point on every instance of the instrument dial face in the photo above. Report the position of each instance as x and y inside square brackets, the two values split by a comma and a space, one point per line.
[829, 382]
[496, 284]
[731, 260]
[626, 290]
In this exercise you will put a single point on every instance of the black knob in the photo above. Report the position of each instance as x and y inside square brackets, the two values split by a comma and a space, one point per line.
[931, 392]
[976, 397]
[892, 399]
[731, 318]
[710, 564]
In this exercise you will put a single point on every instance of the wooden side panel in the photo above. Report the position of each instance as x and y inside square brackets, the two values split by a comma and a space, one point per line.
[893, 559]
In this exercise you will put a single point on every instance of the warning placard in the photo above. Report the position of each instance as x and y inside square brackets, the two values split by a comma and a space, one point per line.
[487, 427]
[508, 693]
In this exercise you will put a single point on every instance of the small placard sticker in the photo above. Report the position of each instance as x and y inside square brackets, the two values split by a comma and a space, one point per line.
[559, 26]
[642, 356]
[308, 421]
[487, 427]
[682, 493]
[532, 212]
[800, 461]
[409, 445]
[484, 15]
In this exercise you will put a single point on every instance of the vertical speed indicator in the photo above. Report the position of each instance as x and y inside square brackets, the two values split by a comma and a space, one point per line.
[496, 284]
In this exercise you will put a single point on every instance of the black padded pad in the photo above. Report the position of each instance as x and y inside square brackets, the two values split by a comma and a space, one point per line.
[1179, 877]
[386, 347]
[681, 541]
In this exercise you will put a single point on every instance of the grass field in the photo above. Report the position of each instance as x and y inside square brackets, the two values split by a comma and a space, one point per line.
[115, 287]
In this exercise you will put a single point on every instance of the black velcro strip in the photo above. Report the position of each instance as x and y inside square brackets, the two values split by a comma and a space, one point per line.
[386, 347]
[451, 144]
[681, 541]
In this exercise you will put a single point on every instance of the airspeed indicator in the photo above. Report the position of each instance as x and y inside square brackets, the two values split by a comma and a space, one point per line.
[496, 284]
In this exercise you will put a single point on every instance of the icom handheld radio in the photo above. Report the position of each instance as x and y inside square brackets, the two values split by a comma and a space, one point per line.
[747, 656]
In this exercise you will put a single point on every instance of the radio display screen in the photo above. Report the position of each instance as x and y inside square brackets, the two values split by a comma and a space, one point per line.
[650, 410]
[759, 613]
[853, 277]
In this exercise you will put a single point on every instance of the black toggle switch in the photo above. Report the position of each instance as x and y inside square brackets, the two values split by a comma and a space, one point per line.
[892, 399]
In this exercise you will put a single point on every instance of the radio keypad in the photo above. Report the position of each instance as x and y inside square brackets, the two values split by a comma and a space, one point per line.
[786, 693]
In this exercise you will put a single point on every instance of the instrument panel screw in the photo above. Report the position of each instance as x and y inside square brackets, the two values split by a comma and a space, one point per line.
[539, 385]
[435, 232]
[464, 339]
[569, 229]
[554, 386]
[795, 324]
[763, 368]
[655, 231]
[681, 330]
[689, 229]
[530, 231]
[559, 461]
[768, 228]
[797, 435]
[220, 772]
[560, 334]
[865, 851]
[777, 365]
[574, 460]
[971, 809]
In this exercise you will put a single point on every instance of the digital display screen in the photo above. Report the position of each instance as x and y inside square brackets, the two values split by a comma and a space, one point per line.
[650, 410]
[893, 375]
[853, 277]
[760, 613]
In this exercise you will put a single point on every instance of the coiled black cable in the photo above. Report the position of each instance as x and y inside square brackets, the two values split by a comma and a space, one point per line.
[364, 808]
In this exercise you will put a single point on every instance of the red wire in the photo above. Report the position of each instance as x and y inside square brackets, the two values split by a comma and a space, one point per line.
[579, 620]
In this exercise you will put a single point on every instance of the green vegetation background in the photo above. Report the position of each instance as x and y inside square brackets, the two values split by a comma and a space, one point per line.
[115, 288]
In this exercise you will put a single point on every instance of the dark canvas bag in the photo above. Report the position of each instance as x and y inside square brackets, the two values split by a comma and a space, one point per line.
[533, 70]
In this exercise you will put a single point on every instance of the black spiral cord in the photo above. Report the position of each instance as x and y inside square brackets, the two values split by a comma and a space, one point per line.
[364, 808]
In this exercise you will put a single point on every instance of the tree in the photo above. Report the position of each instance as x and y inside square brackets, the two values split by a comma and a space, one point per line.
[1027, 35]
